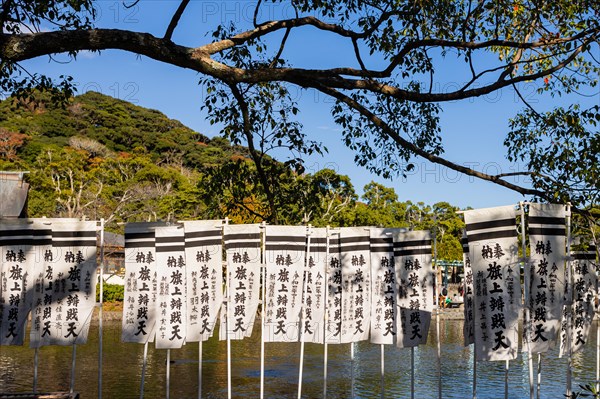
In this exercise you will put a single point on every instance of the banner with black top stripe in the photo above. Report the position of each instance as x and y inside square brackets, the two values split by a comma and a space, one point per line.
[415, 276]
[171, 304]
[204, 270]
[384, 299]
[578, 317]
[141, 282]
[242, 247]
[333, 318]
[545, 274]
[20, 246]
[285, 257]
[41, 311]
[356, 283]
[71, 272]
[493, 246]
[468, 295]
[313, 321]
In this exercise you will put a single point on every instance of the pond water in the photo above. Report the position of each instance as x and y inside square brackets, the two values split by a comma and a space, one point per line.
[122, 369]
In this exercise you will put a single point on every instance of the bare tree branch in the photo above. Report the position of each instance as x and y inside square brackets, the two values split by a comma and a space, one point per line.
[175, 19]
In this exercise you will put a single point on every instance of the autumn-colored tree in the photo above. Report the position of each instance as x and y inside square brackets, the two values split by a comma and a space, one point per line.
[10, 142]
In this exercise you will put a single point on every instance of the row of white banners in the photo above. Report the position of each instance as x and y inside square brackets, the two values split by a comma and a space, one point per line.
[320, 285]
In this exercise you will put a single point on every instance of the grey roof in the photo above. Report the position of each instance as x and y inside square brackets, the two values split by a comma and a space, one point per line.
[13, 195]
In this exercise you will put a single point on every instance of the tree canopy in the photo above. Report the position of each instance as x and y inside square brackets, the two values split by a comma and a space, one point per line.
[387, 115]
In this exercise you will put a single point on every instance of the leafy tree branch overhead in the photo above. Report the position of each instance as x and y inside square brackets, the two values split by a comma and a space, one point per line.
[388, 116]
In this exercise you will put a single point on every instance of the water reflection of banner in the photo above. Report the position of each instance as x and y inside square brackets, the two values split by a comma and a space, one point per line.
[545, 274]
[469, 301]
[140, 291]
[242, 246]
[285, 257]
[171, 303]
[579, 316]
[315, 288]
[493, 246]
[204, 269]
[356, 283]
[385, 287]
[20, 246]
[70, 284]
[412, 256]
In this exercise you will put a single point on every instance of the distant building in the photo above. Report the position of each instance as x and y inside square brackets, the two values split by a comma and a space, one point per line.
[13, 195]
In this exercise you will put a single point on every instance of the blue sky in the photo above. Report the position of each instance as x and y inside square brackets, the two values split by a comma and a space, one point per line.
[473, 130]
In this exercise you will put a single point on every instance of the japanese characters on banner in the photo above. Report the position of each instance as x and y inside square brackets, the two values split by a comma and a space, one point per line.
[42, 293]
[141, 283]
[204, 258]
[415, 276]
[545, 274]
[171, 314]
[356, 283]
[468, 294]
[70, 284]
[333, 312]
[313, 321]
[578, 317]
[242, 246]
[384, 311]
[493, 246]
[285, 257]
[20, 259]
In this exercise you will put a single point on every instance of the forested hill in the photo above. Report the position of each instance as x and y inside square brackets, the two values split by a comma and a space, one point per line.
[100, 157]
[118, 125]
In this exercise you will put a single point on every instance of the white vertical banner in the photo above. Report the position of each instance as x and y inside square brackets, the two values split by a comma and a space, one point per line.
[41, 312]
[384, 287]
[171, 303]
[20, 258]
[545, 272]
[204, 269]
[333, 316]
[285, 257]
[70, 277]
[416, 279]
[493, 247]
[581, 312]
[356, 283]
[315, 288]
[141, 283]
[468, 300]
[242, 246]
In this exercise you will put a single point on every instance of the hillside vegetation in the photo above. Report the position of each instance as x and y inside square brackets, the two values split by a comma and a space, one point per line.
[101, 157]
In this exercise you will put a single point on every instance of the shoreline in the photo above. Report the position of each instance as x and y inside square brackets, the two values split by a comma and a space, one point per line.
[115, 315]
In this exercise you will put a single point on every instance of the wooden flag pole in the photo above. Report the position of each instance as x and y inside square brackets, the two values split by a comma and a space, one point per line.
[168, 373]
[382, 371]
[526, 297]
[506, 380]
[412, 372]
[73, 357]
[303, 311]
[35, 368]
[475, 371]
[352, 370]
[200, 367]
[570, 305]
[437, 313]
[597, 352]
[539, 375]
[227, 326]
[263, 312]
[100, 314]
[144, 365]
[326, 318]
